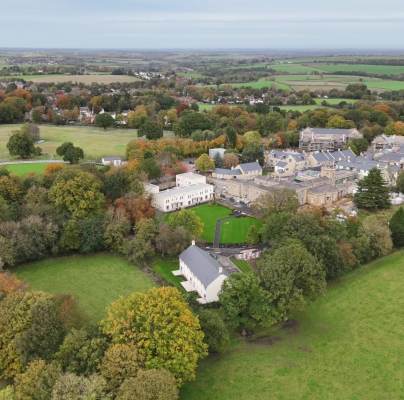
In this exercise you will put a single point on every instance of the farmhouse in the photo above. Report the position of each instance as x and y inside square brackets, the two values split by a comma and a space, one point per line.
[113, 161]
[182, 197]
[242, 171]
[315, 139]
[204, 273]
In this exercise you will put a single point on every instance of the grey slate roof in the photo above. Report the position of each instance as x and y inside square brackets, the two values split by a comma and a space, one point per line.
[281, 164]
[224, 171]
[112, 158]
[331, 131]
[201, 264]
[252, 166]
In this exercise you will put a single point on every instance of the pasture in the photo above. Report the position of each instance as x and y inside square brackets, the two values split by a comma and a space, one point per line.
[25, 169]
[86, 79]
[96, 142]
[320, 82]
[347, 344]
[94, 280]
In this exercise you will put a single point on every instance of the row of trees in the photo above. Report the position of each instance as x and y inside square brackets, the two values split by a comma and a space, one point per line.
[306, 250]
[148, 345]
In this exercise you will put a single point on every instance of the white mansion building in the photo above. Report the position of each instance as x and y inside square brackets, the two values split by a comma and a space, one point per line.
[191, 190]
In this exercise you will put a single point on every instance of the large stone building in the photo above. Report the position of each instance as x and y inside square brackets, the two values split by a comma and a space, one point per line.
[244, 171]
[318, 188]
[285, 163]
[322, 139]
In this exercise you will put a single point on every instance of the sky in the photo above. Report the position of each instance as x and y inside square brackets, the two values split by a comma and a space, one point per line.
[202, 24]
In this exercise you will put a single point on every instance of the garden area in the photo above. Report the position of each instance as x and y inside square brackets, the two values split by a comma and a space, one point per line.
[234, 229]
[94, 280]
[348, 342]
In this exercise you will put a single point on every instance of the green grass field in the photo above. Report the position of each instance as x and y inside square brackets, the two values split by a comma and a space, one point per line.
[95, 280]
[86, 79]
[210, 213]
[319, 82]
[367, 68]
[94, 141]
[235, 230]
[164, 267]
[25, 169]
[349, 344]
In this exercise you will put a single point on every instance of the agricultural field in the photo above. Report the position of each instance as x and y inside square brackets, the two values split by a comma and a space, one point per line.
[303, 108]
[360, 68]
[96, 142]
[348, 344]
[86, 79]
[26, 168]
[320, 82]
[94, 280]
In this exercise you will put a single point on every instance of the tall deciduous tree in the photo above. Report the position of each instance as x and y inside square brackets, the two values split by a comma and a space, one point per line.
[78, 194]
[162, 327]
[244, 302]
[204, 163]
[188, 220]
[153, 384]
[30, 328]
[291, 275]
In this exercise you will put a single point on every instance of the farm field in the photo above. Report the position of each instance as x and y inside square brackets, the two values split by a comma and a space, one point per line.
[313, 67]
[96, 142]
[346, 345]
[95, 280]
[319, 82]
[25, 169]
[86, 79]
[366, 68]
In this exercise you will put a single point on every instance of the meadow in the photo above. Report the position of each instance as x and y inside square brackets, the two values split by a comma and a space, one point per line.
[25, 169]
[347, 344]
[96, 142]
[86, 79]
[94, 280]
[320, 82]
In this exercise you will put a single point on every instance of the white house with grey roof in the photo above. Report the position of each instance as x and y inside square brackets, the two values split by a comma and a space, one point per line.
[203, 272]
[112, 161]
[182, 197]
[242, 171]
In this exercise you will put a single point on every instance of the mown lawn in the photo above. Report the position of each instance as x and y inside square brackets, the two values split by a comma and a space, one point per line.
[25, 169]
[164, 267]
[210, 213]
[235, 229]
[95, 280]
[348, 344]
